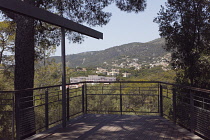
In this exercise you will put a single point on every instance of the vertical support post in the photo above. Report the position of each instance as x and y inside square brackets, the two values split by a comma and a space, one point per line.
[174, 105]
[192, 111]
[13, 116]
[17, 114]
[158, 96]
[67, 104]
[120, 98]
[63, 77]
[161, 100]
[86, 100]
[83, 99]
[46, 110]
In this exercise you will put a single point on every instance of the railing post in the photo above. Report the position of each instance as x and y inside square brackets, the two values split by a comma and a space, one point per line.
[120, 99]
[191, 111]
[67, 104]
[83, 99]
[158, 90]
[102, 89]
[85, 96]
[13, 116]
[17, 115]
[46, 110]
[63, 77]
[161, 100]
[174, 105]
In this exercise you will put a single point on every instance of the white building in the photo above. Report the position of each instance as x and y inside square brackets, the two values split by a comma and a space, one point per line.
[102, 71]
[114, 72]
[126, 74]
[92, 78]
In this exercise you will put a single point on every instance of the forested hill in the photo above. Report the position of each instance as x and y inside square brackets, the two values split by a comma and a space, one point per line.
[119, 56]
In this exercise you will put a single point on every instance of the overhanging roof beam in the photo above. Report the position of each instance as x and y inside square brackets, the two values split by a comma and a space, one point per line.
[43, 15]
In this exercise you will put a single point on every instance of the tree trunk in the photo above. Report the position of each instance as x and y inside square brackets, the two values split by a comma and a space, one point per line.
[2, 50]
[1, 56]
[24, 76]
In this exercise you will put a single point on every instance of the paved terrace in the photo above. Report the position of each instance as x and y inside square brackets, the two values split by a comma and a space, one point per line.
[117, 127]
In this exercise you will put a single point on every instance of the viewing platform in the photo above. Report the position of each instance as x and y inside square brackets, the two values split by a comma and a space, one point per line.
[119, 127]
[108, 110]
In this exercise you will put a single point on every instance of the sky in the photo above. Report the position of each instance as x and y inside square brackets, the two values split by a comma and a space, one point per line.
[123, 28]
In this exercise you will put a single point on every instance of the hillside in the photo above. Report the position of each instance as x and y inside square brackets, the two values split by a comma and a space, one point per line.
[127, 55]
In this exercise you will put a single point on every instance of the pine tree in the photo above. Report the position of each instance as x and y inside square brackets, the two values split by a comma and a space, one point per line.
[185, 24]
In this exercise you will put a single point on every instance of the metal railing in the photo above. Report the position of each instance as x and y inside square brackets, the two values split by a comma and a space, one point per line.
[123, 98]
[187, 106]
[7, 114]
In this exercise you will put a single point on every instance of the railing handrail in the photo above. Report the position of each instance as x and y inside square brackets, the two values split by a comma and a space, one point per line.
[187, 87]
[86, 82]
[10, 91]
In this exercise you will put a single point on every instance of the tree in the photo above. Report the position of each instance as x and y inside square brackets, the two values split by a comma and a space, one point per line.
[52, 72]
[7, 38]
[185, 25]
[89, 12]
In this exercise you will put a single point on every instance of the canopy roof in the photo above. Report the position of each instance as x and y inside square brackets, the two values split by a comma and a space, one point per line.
[43, 15]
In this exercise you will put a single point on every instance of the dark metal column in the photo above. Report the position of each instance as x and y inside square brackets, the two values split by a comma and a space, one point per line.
[192, 114]
[63, 77]
[67, 104]
[83, 99]
[121, 99]
[174, 105]
[17, 115]
[46, 110]
[86, 98]
[161, 100]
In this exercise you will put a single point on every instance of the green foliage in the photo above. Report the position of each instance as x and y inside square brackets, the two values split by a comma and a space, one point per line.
[7, 38]
[52, 72]
[136, 98]
[185, 25]
[6, 78]
[6, 101]
[48, 75]
[150, 74]
[6, 116]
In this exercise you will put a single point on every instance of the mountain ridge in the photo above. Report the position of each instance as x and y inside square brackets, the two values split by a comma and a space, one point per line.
[119, 56]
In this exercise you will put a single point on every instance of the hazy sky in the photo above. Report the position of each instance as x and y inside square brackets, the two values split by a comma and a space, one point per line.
[123, 28]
